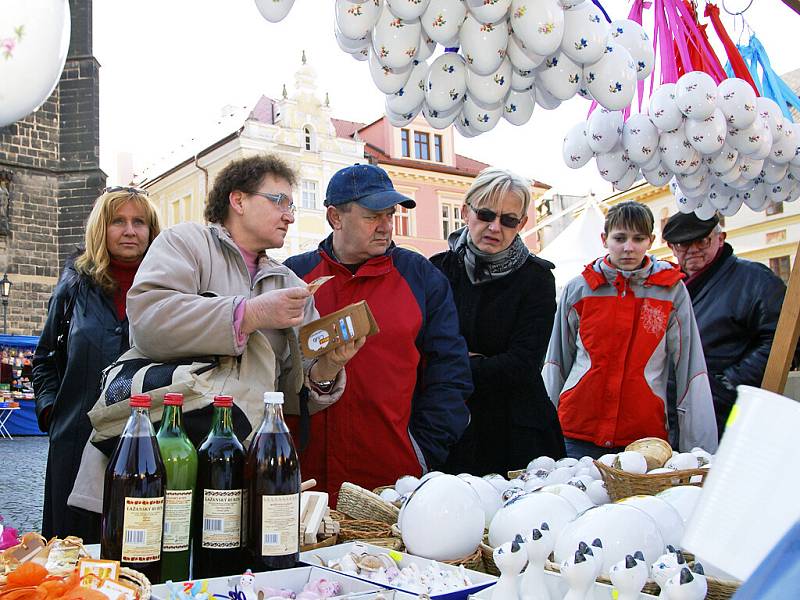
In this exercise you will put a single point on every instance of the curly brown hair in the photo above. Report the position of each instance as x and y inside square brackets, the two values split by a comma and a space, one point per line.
[244, 175]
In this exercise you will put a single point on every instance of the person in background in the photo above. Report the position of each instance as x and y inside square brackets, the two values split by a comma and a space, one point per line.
[619, 326]
[736, 303]
[85, 331]
[404, 405]
[506, 301]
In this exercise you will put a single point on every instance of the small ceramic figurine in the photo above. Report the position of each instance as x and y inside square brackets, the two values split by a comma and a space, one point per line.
[246, 582]
[578, 572]
[629, 577]
[665, 567]
[510, 559]
[539, 546]
[599, 555]
[687, 585]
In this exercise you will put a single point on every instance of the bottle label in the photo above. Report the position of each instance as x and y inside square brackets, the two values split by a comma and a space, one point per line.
[222, 518]
[141, 530]
[245, 516]
[280, 525]
[177, 520]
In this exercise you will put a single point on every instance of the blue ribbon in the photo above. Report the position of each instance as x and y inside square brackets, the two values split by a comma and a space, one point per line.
[602, 10]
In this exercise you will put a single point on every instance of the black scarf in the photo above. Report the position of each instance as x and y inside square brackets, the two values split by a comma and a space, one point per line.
[483, 267]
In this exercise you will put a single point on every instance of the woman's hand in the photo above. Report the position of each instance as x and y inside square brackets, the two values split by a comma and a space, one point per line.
[276, 309]
[329, 364]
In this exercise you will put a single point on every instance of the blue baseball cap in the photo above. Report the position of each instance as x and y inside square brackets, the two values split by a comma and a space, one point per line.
[368, 185]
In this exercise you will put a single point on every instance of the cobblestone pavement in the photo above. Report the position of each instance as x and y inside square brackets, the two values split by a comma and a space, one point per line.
[22, 467]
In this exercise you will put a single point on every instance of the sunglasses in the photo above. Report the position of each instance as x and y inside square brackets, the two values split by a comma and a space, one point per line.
[281, 199]
[488, 216]
[700, 244]
[122, 188]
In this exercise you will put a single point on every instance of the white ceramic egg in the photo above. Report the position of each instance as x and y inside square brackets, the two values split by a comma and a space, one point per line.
[490, 11]
[390, 495]
[719, 195]
[395, 40]
[534, 483]
[574, 495]
[566, 462]
[442, 19]
[612, 165]
[446, 82]
[355, 19]
[631, 461]
[658, 176]
[784, 147]
[483, 46]
[724, 160]
[545, 99]
[527, 511]
[542, 462]
[597, 492]
[559, 475]
[604, 129]
[488, 494]
[738, 101]
[628, 178]
[683, 498]
[523, 81]
[622, 529]
[703, 457]
[612, 79]
[479, 117]
[750, 168]
[696, 94]
[521, 57]
[685, 204]
[406, 484]
[653, 162]
[756, 200]
[349, 45]
[387, 80]
[559, 75]
[539, 24]
[440, 119]
[663, 110]
[607, 459]
[410, 97]
[492, 88]
[770, 112]
[707, 136]
[274, 10]
[733, 206]
[443, 519]
[668, 520]
[518, 107]
[576, 153]
[748, 140]
[633, 37]
[407, 9]
[585, 33]
[640, 138]
[499, 482]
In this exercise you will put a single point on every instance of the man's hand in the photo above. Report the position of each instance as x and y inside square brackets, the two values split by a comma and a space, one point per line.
[329, 364]
[277, 309]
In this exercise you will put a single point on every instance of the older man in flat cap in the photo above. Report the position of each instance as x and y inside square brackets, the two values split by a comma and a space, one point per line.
[736, 304]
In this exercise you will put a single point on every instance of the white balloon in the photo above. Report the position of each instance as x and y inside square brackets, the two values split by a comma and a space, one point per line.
[35, 52]
[604, 129]
[640, 138]
[483, 46]
[612, 79]
[273, 10]
[663, 110]
[492, 88]
[356, 20]
[488, 12]
[575, 150]
[408, 9]
[387, 80]
[539, 25]
[559, 75]
[585, 33]
[442, 20]
[696, 94]
[394, 40]
[738, 102]
[633, 37]
[518, 107]
[446, 82]
[707, 136]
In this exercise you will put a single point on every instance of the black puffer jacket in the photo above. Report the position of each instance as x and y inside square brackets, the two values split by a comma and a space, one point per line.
[96, 339]
[508, 322]
[736, 304]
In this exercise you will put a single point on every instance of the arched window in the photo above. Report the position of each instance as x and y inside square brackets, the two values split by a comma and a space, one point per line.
[308, 138]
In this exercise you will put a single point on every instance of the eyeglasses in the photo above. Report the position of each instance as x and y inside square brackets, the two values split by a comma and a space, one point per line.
[122, 188]
[282, 200]
[700, 244]
[488, 216]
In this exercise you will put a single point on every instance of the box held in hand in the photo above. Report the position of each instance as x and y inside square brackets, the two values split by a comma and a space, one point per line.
[337, 328]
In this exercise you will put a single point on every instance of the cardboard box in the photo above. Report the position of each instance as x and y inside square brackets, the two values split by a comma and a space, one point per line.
[295, 579]
[480, 580]
[333, 330]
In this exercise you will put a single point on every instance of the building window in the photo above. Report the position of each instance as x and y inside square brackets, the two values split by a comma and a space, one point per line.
[774, 208]
[405, 143]
[308, 194]
[781, 267]
[421, 150]
[437, 147]
[402, 221]
[308, 138]
[451, 218]
[776, 237]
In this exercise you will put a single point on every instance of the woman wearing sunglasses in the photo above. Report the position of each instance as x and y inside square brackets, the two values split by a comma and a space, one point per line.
[85, 331]
[506, 303]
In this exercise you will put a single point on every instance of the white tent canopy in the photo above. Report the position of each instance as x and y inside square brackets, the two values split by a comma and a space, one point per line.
[576, 246]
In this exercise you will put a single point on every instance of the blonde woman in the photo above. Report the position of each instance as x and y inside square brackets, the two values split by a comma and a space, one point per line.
[85, 331]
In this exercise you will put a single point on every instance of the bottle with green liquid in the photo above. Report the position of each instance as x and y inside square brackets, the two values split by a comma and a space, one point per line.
[180, 462]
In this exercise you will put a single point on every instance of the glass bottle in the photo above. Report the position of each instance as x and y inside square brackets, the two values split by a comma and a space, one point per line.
[220, 487]
[133, 496]
[180, 463]
[272, 473]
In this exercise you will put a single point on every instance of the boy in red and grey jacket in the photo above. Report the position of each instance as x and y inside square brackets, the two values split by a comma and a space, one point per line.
[618, 327]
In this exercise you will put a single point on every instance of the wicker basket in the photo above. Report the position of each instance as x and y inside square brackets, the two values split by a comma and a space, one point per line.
[487, 554]
[363, 529]
[474, 561]
[620, 484]
[361, 504]
[390, 543]
[328, 541]
[137, 580]
[339, 516]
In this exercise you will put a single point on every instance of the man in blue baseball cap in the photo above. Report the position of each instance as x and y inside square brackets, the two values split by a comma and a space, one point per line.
[404, 404]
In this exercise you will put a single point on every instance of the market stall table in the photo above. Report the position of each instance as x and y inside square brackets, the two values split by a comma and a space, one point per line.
[5, 414]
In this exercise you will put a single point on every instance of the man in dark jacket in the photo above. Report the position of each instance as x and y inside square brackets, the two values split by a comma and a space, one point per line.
[736, 304]
[404, 404]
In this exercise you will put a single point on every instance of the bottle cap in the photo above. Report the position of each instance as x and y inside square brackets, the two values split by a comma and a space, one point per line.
[273, 397]
[173, 399]
[140, 401]
[223, 401]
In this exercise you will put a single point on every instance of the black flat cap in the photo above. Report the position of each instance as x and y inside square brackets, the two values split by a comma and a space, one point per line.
[684, 227]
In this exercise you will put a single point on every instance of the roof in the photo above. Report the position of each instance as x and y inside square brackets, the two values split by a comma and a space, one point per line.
[264, 111]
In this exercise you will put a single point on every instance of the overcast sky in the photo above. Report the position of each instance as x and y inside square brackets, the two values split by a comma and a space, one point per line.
[168, 67]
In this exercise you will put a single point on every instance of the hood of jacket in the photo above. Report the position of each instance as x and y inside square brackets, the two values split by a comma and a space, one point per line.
[653, 272]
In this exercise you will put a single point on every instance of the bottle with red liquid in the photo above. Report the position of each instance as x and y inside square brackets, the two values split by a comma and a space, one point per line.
[272, 472]
[133, 496]
[220, 490]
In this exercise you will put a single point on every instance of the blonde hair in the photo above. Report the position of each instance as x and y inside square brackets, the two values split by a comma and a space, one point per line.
[95, 260]
[493, 183]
